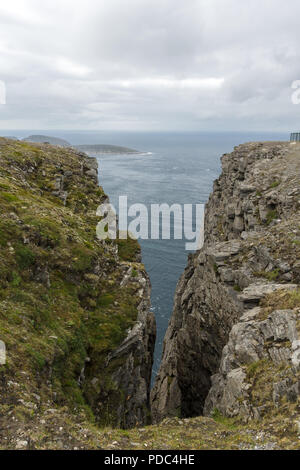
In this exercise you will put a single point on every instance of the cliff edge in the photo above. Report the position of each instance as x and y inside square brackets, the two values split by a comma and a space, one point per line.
[232, 346]
[74, 311]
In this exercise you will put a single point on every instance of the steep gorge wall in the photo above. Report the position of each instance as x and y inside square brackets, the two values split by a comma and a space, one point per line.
[251, 254]
[74, 311]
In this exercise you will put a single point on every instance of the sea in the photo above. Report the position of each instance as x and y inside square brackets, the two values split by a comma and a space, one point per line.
[172, 168]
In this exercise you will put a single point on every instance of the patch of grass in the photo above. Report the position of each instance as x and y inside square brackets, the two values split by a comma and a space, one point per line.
[128, 249]
[269, 275]
[272, 215]
[25, 257]
[48, 231]
[8, 197]
[82, 258]
[272, 275]
[255, 367]
[281, 300]
[219, 418]
[105, 300]
[275, 184]
[37, 356]
[16, 279]
[6, 187]
[261, 376]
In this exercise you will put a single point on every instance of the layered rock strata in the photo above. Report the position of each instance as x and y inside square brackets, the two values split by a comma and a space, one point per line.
[219, 329]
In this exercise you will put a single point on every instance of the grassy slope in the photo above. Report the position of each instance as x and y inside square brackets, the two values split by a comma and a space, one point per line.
[58, 429]
[60, 295]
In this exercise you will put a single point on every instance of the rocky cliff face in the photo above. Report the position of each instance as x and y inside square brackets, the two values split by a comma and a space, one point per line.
[232, 345]
[74, 311]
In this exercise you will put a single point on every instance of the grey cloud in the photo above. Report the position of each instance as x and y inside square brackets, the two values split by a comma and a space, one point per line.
[65, 63]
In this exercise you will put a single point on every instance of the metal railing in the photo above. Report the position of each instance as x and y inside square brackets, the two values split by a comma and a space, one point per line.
[295, 137]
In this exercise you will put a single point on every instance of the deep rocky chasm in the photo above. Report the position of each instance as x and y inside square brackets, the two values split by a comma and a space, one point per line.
[75, 312]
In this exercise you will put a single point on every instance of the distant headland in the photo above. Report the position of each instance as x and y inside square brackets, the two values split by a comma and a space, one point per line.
[101, 149]
[98, 149]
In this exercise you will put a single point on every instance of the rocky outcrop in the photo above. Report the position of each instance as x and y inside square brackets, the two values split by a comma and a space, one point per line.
[74, 310]
[135, 374]
[198, 328]
[129, 366]
[251, 251]
[265, 349]
[100, 149]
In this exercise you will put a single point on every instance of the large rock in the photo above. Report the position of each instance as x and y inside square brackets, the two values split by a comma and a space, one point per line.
[251, 250]
[270, 344]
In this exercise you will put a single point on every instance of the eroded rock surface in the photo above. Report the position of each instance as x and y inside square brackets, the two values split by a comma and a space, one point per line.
[251, 252]
[269, 348]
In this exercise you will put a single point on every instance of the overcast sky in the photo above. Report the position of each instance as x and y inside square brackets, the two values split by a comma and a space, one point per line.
[150, 64]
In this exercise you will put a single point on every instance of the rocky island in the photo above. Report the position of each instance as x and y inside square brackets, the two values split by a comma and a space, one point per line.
[103, 149]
